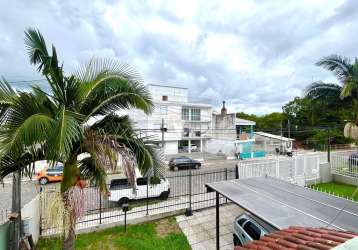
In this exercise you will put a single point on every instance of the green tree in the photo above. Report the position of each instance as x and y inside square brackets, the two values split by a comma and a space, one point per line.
[60, 120]
[346, 73]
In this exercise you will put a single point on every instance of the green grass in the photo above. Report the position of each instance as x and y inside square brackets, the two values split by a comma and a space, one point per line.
[339, 189]
[161, 234]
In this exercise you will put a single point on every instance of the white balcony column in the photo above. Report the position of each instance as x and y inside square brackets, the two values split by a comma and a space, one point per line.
[189, 146]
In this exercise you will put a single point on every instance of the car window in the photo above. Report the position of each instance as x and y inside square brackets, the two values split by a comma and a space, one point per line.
[252, 230]
[142, 181]
[186, 159]
[180, 160]
[241, 221]
[59, 168]
[119, 183]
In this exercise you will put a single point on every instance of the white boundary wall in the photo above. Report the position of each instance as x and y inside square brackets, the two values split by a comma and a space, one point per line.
[30, 214]
[299, 169]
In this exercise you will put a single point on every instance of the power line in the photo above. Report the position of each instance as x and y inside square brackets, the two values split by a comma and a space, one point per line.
[25, 81]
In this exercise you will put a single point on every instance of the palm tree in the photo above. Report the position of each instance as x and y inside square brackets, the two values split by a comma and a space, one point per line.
[60, 119]
[347, 75]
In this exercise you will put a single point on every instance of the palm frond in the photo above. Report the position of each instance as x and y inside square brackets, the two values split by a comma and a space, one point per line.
[113, 124]
[105, 154]
[120, 129]
[109, 86]
[348, 88]
[27, 122]
[36, 48]
[340, 66]
[319, 89]
[10, 163]
[93, 172]
[65, 132]
[7, 97]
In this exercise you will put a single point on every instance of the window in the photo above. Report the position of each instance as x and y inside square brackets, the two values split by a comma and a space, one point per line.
[241, 221]
[190, 114]
[142, 181]
[195, 114]
[185, 114]
[164, 98]
[163, 110]
[252, 230]
[119, 184]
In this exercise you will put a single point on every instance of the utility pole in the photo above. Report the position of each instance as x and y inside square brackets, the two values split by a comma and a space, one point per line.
[16, 210]
[162, 129]
[289, 128]
[328, 146]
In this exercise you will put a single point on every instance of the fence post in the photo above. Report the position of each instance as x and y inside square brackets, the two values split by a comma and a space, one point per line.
[328, 146]
[41, 209]
[277, 168]
[226, 180]
[147, 200]
[189, 211]
[100, 206]
[237, 171]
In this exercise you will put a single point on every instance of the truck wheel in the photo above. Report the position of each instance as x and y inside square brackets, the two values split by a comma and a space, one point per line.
[43, 181]
[237, 241]
[123, 201]
[164, 195]
[196, 166]
[176, 168]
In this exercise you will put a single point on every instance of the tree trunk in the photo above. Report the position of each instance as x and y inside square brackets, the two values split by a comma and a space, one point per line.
[16, 208]
[70, 174]
[69, 239]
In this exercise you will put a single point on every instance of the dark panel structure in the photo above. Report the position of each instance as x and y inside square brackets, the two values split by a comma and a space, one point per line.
[282, 204]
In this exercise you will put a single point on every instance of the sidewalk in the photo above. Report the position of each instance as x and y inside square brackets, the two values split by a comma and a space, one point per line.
[200, 229]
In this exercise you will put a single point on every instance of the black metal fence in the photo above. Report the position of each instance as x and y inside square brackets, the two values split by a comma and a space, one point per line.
[187, 192]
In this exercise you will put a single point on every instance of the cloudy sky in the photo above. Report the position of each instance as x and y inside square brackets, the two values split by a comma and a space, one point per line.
[257, 55]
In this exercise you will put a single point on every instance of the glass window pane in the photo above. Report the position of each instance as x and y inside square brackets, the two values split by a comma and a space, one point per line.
[185, 114]
[252, 230]
[195, 114]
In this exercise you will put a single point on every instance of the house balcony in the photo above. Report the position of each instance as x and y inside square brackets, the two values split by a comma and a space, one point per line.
[195, 133]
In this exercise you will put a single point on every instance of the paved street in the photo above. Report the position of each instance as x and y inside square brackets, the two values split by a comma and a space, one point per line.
[28, 191]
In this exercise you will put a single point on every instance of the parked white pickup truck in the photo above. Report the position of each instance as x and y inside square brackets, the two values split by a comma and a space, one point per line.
[121, 192]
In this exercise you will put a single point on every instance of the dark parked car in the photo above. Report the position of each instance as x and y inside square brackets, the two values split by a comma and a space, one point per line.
[353, 161]
[183, 162]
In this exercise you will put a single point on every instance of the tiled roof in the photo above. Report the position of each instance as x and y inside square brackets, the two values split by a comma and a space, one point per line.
[302, 238]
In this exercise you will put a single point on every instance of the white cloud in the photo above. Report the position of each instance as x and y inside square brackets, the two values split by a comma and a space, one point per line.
[256, 55]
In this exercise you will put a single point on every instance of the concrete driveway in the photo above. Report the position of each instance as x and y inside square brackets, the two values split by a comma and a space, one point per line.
[200, 228]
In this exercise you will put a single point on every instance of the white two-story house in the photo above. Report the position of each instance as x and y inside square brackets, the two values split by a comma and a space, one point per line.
[176, 122]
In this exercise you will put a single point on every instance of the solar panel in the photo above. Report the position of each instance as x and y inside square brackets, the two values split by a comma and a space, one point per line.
[283, 204]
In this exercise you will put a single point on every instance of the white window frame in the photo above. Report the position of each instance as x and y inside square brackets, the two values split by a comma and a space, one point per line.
[197, 115]
[185, 116]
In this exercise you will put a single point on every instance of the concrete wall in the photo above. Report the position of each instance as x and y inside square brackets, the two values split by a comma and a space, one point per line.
[171, 147]
[31, 213]
[325, 174]
[224, 127]
[345, 179]
[226, 147]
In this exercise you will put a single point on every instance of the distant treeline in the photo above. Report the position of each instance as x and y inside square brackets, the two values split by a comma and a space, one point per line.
[308, 120]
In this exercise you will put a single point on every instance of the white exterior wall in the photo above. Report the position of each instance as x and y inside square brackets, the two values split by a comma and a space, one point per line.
[175, 94]
[226, 147]
[171, 112]
[171, 147]
[31, 213]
